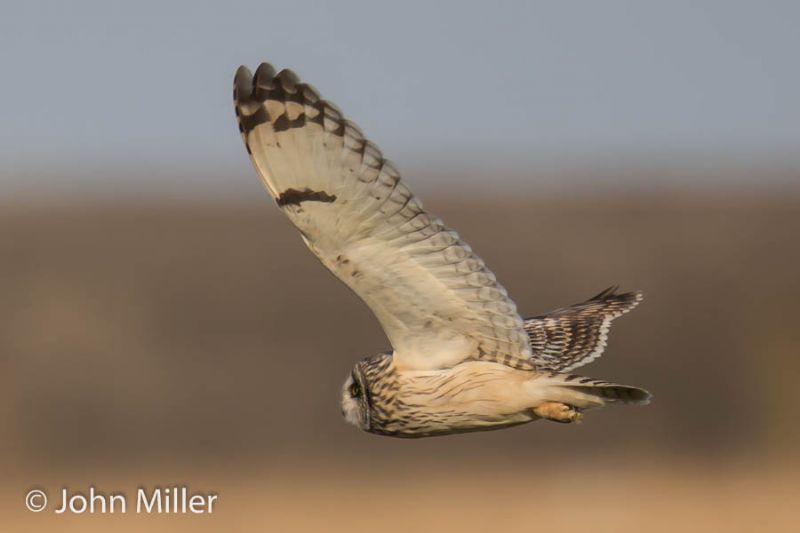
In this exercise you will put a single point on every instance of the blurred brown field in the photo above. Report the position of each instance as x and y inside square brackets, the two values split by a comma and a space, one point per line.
[630, 494]
[147, 343]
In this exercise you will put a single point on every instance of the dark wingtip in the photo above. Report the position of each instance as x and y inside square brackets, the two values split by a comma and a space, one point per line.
[288, 80]
[242, 83]
[244, 72]
[611, 292]
[264, 75]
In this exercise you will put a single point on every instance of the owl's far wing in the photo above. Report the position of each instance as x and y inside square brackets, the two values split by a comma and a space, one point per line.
[436, 300]
[574, 336]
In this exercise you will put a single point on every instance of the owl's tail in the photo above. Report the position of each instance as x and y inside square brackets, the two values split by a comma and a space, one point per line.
[584, 393]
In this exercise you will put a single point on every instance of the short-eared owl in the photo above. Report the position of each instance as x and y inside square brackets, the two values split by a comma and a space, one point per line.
[462, 359]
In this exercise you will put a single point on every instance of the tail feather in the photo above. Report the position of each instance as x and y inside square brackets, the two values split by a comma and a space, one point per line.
[586, 392]
[617, 393]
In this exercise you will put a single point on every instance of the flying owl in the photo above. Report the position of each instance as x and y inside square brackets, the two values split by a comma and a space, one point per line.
[463, 359]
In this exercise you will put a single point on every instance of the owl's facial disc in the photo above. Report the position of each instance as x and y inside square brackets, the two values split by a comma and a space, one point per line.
[353, 404]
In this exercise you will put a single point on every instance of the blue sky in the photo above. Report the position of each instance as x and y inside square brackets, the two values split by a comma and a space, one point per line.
[120, 90]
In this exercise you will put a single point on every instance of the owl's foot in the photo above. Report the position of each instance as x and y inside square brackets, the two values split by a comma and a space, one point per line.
[558, 412]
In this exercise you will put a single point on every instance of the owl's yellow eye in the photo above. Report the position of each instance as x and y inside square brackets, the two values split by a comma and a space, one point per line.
[355, 390]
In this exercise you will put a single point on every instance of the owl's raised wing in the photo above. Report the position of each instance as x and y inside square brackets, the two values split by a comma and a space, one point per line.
[436, 300]
[573, 336]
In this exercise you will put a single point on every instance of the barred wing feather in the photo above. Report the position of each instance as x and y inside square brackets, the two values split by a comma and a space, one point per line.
[571, 337]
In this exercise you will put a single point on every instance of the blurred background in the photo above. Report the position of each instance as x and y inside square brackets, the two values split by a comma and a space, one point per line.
[161, 323]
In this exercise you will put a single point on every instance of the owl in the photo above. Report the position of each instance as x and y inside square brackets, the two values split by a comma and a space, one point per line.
[462, 357]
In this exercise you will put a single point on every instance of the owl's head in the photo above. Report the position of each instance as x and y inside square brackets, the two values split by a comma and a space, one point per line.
[356, 399]
[358, 393]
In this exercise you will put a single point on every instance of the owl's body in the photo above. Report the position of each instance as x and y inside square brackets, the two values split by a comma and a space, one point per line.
[415, 403]
[463, 358]
[477, 395]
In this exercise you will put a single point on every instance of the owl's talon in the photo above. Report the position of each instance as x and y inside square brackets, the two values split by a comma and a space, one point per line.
[558, 412]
